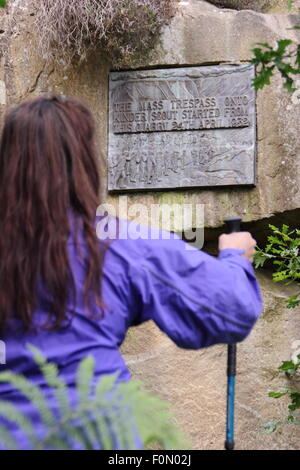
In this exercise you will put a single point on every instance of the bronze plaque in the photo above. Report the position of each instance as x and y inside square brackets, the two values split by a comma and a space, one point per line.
[182, 127]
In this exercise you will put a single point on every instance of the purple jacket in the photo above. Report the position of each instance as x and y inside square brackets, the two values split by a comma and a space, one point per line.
[196, 299]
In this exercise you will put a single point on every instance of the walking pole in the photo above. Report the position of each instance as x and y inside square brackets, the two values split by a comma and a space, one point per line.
[233, 225]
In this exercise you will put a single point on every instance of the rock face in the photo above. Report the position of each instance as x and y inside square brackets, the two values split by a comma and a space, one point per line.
[24, 74]
[195, 381]
[203, 34]
[199, 34]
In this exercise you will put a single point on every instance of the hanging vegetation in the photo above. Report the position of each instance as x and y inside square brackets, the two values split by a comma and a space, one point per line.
[125, 30]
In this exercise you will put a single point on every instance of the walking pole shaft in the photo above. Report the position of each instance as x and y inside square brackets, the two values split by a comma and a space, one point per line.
[234, 225]
[231, 372]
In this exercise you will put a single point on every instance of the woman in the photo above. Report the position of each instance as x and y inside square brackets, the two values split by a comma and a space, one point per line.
[72, 295]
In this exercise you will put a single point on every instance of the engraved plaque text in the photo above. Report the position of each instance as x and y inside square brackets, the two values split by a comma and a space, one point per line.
[183, 127]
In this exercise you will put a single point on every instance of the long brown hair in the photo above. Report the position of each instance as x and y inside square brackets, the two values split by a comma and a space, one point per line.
[48, 170]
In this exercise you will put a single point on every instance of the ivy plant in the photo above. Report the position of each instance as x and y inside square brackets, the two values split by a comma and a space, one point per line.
[284, 57]
[283, 251]
[285, 60]
[290, 368]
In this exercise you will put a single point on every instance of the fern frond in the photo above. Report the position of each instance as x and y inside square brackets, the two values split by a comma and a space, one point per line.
[103, 429]
[32, 393]
[124, 400]
[7, 441]
[154, 419]
[59, 387]
[12, 414]
[85, 374]
[111, 415]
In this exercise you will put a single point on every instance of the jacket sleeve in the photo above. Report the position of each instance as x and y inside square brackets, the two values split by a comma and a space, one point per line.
[196, 299]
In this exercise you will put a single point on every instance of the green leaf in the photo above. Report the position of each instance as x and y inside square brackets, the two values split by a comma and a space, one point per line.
[260, 258]
[286, 365]
[85, 373]
[270, 427]
[282, 44]
[263, 77]
[265, 44]
[293, 301]
[2, 3]
[269, 59]
[289, 84]
[50, 373]
[277, 394]
[298, 53]
[12, 414]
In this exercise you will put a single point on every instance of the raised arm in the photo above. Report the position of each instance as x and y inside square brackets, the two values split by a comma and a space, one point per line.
[196, 299]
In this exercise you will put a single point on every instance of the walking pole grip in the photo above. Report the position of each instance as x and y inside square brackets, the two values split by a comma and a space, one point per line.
[231, 360]
[233, 225]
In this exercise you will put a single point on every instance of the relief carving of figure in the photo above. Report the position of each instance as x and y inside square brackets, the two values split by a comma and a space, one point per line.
[151, 167]
[120, 173]
[144, 168]
[133, 167]
[175, 157]
[167, 162]
[160, 166]
[127, 156]
[137, 166]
